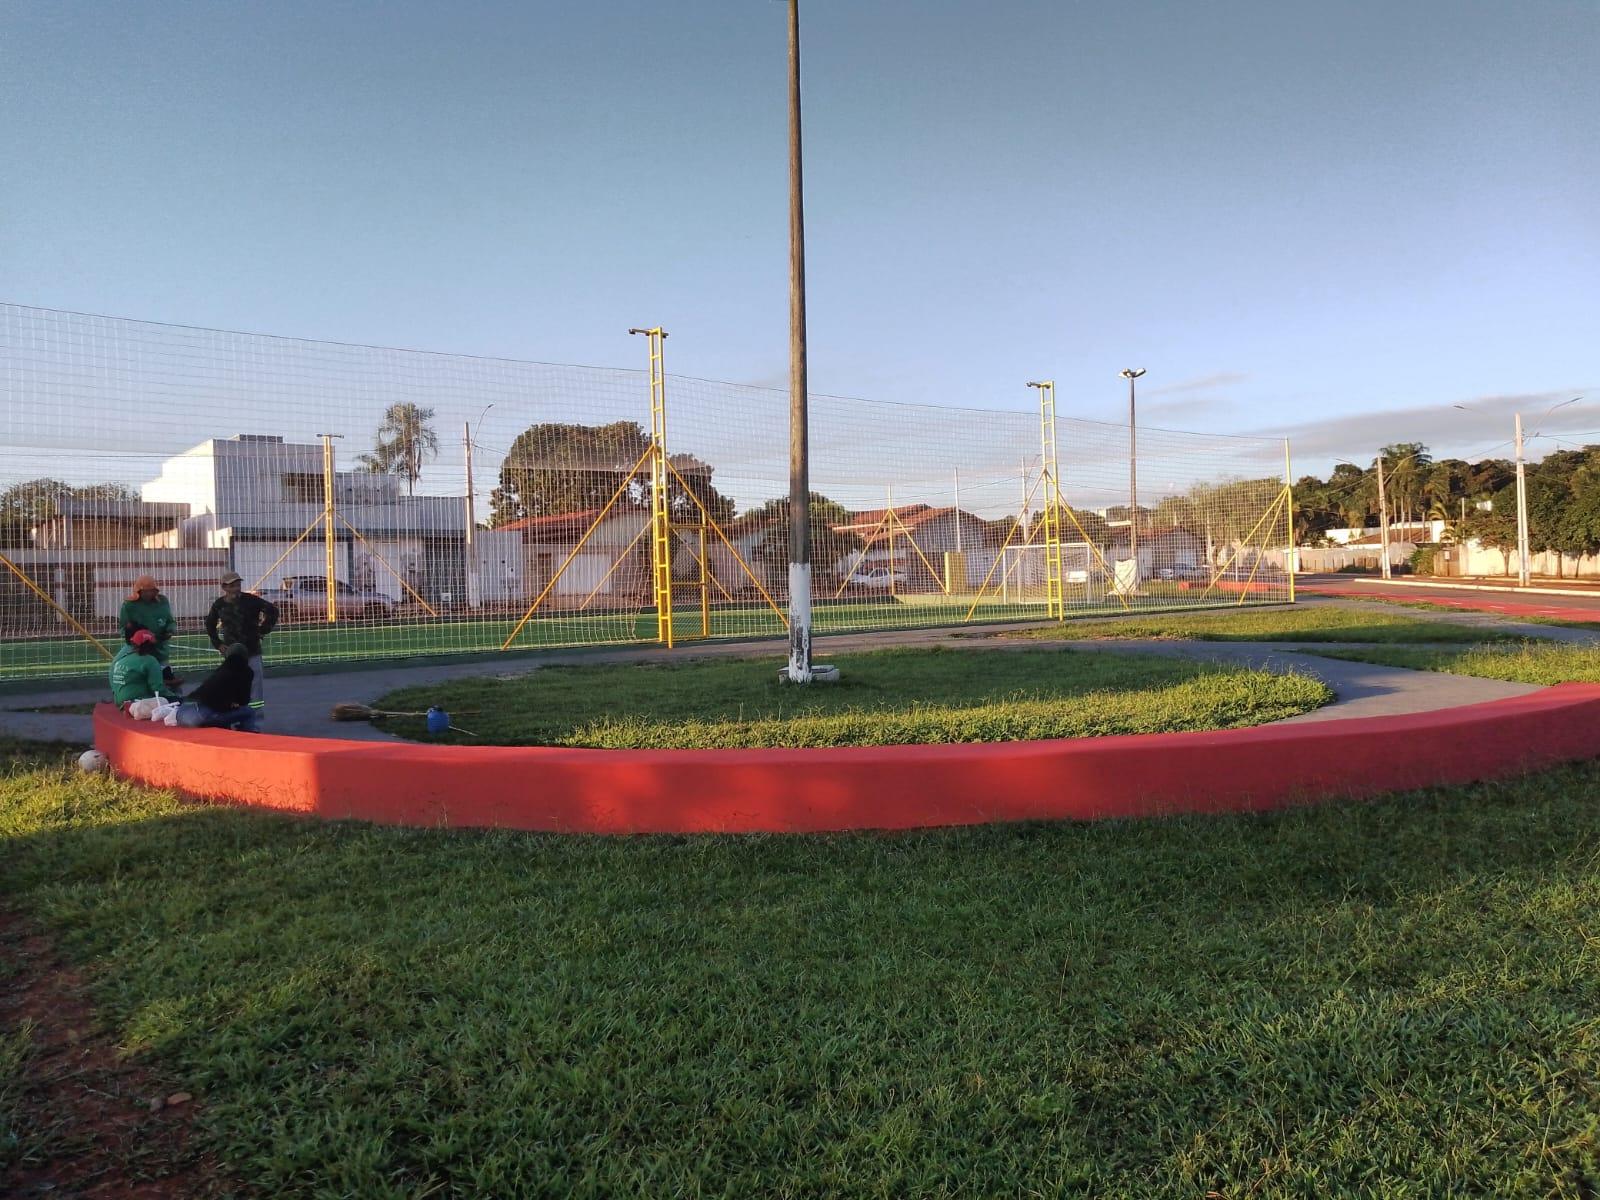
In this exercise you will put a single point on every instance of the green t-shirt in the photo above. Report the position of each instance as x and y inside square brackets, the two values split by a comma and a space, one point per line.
[136, 676]
[154, 615]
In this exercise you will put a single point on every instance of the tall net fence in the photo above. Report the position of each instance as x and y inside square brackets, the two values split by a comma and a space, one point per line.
[393, 503]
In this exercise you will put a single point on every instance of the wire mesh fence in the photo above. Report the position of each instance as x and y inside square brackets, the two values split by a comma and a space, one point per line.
[393, 503]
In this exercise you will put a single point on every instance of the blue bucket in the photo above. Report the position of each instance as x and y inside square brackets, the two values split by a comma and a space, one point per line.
[438, 721]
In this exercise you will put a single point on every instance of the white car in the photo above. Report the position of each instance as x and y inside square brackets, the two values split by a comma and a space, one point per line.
[878, 579]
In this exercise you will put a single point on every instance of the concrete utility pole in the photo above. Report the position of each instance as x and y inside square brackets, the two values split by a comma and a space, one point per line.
[800, 668]
[1383, 522]
[1522, 512]
[799, 469]
[1133, 473]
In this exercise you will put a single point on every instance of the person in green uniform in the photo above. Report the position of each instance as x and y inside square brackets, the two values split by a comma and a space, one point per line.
[147, 608]
[136, 672]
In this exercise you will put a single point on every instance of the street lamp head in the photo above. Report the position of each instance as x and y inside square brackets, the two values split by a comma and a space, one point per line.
[1041, 383]
[1131, 373]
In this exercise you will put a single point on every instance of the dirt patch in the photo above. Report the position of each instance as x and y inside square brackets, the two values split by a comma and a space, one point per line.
[86, 1121]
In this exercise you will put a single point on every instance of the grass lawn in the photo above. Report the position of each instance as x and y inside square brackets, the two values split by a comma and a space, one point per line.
[1304, 622]
[1394, 999]
[890, 696]
[1525, 662]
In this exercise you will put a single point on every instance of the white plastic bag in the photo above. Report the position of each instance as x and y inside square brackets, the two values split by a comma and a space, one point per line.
[144, 710]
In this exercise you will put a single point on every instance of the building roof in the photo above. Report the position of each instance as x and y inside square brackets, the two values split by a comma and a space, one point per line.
[561, 527]
[121, 510]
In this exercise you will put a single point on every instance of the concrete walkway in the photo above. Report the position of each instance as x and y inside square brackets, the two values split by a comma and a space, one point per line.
[299, 704]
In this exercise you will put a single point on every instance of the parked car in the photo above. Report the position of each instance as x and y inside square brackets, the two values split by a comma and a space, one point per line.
[879, 579]
[305, 597]
[1190, 571]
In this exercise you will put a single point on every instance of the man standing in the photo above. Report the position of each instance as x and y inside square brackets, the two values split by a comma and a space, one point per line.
[147, 608]
[136, 672]
[241, 618]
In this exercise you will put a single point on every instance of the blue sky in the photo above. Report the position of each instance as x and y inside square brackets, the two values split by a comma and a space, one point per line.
[1335, 221]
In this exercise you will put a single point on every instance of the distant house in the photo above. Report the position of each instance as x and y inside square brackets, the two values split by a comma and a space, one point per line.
[613, 561]
[1160, 550]
[105, 524]
[935, 532]
[256, 495]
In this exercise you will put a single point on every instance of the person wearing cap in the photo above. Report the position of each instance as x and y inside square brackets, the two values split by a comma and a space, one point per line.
[146, 608]
[136, 672]
[241, 618]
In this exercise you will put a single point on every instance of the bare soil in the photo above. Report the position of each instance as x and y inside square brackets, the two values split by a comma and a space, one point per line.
[92, 1122]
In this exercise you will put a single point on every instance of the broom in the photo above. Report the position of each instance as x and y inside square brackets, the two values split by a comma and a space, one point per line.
[348, 710]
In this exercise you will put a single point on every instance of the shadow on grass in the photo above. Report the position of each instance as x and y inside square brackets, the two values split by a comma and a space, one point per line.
[1339, 999]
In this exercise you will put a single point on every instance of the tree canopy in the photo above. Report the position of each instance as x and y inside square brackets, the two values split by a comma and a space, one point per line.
[24, 505]
[556, 468]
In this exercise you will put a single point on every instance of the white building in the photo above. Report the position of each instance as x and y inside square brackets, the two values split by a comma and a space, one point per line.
[256, 496]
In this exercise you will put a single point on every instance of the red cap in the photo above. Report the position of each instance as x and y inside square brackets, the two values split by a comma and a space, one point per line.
[142, 637]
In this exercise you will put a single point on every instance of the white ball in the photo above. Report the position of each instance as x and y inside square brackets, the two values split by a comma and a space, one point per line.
[93, 761]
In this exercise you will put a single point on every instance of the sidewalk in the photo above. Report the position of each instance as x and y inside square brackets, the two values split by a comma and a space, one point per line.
[299, 705]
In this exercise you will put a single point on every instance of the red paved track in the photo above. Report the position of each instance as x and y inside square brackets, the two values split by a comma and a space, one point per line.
[1507, 604]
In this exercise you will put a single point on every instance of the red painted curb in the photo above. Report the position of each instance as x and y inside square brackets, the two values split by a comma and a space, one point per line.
[883, 787]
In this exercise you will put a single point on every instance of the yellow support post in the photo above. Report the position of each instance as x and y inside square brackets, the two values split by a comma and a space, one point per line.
[1054, 583]
[705, 585]
[1289, 556]
[732, 549]
[660, 512]
[50, 601]
[327, 521]
[573, 553]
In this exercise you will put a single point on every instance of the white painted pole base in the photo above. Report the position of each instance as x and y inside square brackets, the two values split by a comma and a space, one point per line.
[799, 670]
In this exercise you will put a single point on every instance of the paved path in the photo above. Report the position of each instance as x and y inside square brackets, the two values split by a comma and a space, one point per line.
[299, 704]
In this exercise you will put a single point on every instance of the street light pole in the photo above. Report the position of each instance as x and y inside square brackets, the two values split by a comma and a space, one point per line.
[473, 585]
[1133, 473]
[1383, 523]
[1522, 512]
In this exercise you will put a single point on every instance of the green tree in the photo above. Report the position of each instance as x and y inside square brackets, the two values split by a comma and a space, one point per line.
[404, 440]
[558, 468]
[828, 543]
[26, 504]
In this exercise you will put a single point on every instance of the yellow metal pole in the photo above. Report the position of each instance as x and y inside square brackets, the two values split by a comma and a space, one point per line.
[705, 586]
[1054, 584]
[50, 600]
[573, 553]
[1000, 554]
[304, 534]
[373, 550]
[660, 513]
[732, 549]
[615, 563]
[1290, 556]
[327, 521]
[1266, 519]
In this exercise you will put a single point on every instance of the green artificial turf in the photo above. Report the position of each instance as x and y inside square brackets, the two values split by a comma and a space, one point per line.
[1524, 662]
[358, 641]
[1395, 999]
[886, 697]
[1301, 623]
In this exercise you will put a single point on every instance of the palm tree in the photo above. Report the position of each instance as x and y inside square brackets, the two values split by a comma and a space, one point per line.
[404, 439]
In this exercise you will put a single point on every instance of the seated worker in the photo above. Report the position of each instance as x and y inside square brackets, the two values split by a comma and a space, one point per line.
[147, 608]
[222, 698]
[136, 671]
